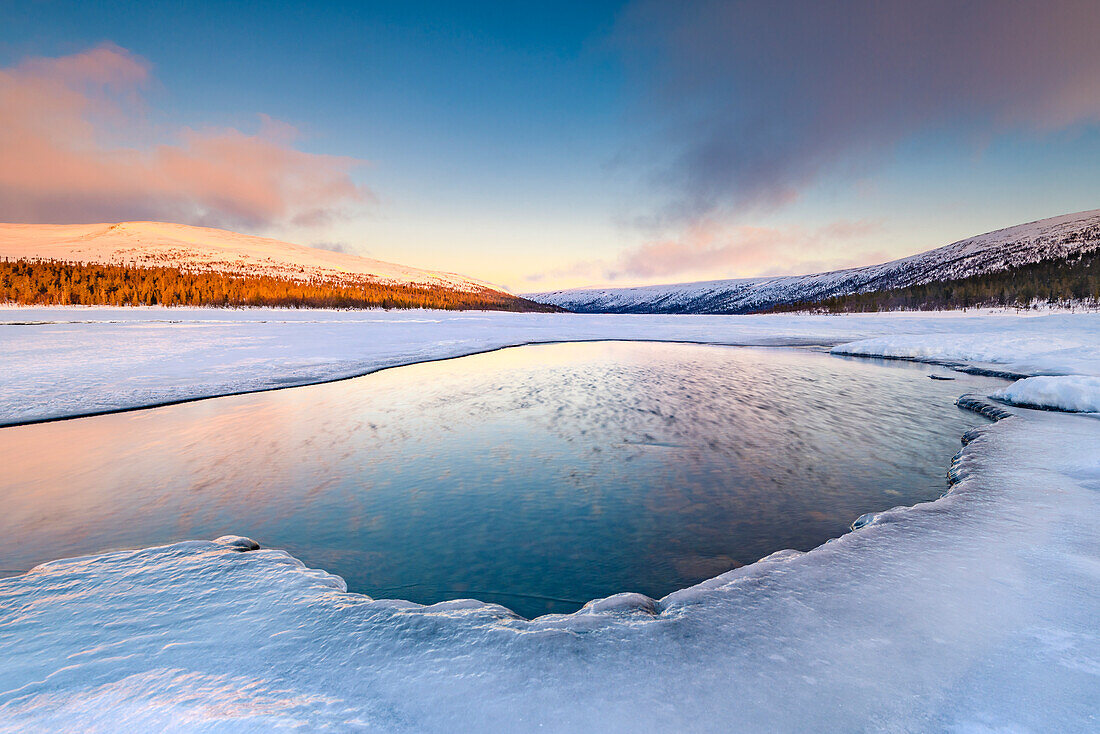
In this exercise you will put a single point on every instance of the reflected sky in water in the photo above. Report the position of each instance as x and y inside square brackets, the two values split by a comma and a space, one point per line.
[537, 477]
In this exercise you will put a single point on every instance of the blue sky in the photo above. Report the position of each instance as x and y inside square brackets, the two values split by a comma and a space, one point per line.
[542, 146]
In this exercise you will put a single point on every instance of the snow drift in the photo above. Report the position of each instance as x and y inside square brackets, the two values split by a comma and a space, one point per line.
[1075, 393]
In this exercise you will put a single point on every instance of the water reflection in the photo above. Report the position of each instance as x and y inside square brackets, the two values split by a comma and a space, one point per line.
[538, 477]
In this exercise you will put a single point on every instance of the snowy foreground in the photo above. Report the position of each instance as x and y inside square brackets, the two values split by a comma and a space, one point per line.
[976, 612]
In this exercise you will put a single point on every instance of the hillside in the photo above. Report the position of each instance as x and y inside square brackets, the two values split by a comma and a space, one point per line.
[1045, 240]
[133, 263]
[57, 283]
[1073, 280]
[162, 244]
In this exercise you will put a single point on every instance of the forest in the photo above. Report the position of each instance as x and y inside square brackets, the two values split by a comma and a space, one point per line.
[53, 283]
[1069, 281]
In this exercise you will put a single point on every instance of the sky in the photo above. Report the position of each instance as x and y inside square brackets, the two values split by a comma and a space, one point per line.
[550, 145]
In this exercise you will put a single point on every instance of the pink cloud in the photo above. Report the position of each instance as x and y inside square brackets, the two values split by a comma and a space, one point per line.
[67, 127]
[714, 251]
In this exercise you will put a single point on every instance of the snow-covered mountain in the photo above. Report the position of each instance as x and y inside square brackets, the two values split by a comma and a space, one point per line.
[1019, 245]
[153, 244]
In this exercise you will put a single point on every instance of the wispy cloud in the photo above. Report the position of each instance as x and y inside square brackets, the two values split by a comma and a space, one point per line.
[334, 247]
[585, 269]
[709, 250]
[72, 132]
[712, 250]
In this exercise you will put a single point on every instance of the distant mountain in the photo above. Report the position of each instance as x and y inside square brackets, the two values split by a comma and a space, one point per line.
[202, 250]
[162, 244]
[1046, 239]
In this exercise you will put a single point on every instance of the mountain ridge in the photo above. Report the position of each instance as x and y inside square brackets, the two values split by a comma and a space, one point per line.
[1022, 244]
[205, 249]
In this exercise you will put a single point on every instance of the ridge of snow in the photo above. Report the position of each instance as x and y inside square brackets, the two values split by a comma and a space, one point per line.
[164, 244]
[1024, 243]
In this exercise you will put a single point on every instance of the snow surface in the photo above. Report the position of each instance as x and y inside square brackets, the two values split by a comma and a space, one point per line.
[973, 613]
[61, 362]
[1070, 392]
[164, 244]
[1044, 348]
[1024, 243]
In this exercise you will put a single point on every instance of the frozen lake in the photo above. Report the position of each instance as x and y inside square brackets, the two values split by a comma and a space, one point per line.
[537, 477]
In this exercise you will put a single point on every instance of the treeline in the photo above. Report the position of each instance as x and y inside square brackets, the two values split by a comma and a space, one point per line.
[54, 283]
[1060, 281]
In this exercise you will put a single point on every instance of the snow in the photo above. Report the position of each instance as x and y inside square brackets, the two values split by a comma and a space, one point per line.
[1024, 243]
[202, 248]
[1045, 349]
[61, 362]
[972, 613]
[1068, 392]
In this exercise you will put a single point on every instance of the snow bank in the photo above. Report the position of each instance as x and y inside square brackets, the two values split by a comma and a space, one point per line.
[973, 613]
[62, 362]
[1044, 349]
[1073, 393]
